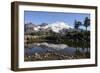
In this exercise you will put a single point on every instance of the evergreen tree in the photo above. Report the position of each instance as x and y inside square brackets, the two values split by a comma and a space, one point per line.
[77, 24]
[87, 22]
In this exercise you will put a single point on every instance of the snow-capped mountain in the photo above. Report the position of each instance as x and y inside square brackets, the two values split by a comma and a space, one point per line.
[55, 27]
[58, 26]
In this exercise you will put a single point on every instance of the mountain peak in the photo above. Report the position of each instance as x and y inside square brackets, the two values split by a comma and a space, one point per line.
[59, 25]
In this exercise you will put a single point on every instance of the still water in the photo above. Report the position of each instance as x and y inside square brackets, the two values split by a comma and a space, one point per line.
[43, 47]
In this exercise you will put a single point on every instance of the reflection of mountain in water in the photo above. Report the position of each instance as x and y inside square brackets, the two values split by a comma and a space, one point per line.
[44, 47]
[54, 46]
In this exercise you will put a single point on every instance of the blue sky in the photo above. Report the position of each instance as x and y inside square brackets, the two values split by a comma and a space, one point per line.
[38, 17]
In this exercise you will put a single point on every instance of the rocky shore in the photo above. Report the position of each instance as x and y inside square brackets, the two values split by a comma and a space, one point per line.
[50, 55]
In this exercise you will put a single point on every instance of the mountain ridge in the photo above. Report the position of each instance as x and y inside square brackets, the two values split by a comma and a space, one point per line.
[55, 27]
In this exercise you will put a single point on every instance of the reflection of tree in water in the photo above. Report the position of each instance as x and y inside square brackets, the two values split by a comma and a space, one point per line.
[84, 52]
[79, 54]
[84, 44]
